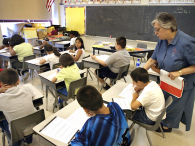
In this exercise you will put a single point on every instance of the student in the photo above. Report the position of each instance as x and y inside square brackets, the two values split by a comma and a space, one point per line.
[148, 95]
[114, 62]
[69, 72]
[22, 49]
[79, 52]
[106, 125]
[73, 37]
[5, 43]
[52, 55]
[16, 100]
[45, 42]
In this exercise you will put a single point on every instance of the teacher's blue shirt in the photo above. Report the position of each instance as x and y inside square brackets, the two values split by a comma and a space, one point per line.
[103, 129]
[179, 54]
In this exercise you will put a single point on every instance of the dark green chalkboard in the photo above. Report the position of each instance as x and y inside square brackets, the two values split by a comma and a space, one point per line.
[134, 22]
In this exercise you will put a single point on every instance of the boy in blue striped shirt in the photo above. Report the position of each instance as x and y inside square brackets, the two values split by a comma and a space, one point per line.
[106, 125]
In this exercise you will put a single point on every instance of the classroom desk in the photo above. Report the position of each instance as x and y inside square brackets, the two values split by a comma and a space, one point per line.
[108, 49]
[7, 57]
[37, 100]
[45, 79]
[89, 62]
[39, 51]
[64, 45]
[64, 113]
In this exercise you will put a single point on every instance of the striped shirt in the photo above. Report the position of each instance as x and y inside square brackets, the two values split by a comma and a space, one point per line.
[103, 129]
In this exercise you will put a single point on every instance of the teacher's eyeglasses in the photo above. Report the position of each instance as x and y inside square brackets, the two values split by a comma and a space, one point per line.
[157, 30]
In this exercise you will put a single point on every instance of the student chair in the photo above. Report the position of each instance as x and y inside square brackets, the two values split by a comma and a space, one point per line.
[25, 65]
[123, 71]
[157, 124]
[56, 65]
[140, 55]
[71, 92]
[82, 66]
[22, 127]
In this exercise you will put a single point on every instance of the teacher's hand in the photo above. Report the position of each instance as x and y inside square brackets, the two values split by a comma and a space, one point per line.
[174, 75]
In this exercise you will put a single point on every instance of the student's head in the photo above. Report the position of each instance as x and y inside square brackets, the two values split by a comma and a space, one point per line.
[120, 43]
[6, 42]
[46, 39]
[9, 77]
[71, 34]
[66, 60]
[89, 98]
[16, 40]
[79, 44]
[139, 77]
[49, 49]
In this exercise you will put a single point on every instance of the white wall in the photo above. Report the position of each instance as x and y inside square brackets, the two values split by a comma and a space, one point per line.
[1, 37]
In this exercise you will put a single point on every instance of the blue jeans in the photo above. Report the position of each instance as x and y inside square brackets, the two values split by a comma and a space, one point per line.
[141, 116]
[5, 127]
[63, 91]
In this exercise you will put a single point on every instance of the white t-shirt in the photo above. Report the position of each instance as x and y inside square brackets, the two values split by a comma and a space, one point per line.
[153, 101]
[82, 55]
[52, 59]
[72, 41]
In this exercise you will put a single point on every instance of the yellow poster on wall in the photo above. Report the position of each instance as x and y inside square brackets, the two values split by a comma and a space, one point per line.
[75, 18]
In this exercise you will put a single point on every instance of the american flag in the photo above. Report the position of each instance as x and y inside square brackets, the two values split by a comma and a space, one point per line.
[49, 4]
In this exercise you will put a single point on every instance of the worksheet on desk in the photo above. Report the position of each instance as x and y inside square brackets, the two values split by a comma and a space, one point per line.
[128, 92]
[123, 103]
[103, 57]
[60, 129]
[33, 61]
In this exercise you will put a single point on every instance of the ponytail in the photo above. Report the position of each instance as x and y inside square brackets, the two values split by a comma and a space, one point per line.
[55, 51]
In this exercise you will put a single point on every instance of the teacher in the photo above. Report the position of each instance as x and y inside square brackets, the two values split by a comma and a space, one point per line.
[175, 53]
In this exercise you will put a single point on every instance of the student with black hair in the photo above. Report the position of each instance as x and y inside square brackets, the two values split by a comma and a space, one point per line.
[79, 52]
[114, 62]
[69, 72]
[106, 124]
[73, 36]
[22, 49]
[45, 42]
[16, 100]
[52, 55]
[5, 43]
[149, 95]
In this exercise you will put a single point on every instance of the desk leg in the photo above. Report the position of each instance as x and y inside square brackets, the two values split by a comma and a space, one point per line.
[32, 73]
[47, 97]
[93, 51]
[56, 101]
[98, 52]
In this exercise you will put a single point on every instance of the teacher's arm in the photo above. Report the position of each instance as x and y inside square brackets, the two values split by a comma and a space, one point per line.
[149, 63]
[183, 71]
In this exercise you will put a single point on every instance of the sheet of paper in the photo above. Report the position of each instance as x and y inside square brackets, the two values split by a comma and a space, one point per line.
[36, 47]
[106, 43]
[177, 82]
[60, 129]
[52, 75]
[123, 103]
[78, 118]
[128, 92]
[63, 52]
[33, 61]
[103, 57]
[151, 72]
[3, 51]
[63, 42]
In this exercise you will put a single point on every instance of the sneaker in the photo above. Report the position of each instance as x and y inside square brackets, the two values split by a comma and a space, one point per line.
[27, 75]
[106, 87]
[164, 130]
[61, 106]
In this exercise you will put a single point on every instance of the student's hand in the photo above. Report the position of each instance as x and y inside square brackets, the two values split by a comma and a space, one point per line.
[61, 67]
[93, 57]
[71, 51]
[137, 90]
[4, 88]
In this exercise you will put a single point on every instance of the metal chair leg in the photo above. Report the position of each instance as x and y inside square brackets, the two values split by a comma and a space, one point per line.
[124, 79]
[162, 131]
[3, 139]
[131, 126]
[148, 138]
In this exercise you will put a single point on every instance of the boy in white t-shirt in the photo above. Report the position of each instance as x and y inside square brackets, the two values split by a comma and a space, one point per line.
[149, 95]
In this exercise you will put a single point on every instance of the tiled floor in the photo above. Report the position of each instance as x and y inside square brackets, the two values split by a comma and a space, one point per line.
[178, 137]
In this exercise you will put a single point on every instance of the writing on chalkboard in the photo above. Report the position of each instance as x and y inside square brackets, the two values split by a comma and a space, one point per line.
[181, 10]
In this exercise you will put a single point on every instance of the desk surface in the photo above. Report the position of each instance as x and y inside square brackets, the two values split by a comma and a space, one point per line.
[113, 92]
[63, 42]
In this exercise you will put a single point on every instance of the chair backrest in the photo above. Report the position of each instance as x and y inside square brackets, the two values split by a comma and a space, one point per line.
[75, 85]
[142, 45]
[159, 119]
[56, 65]
[25, 65]
[82, 64]
[123, 69]
[23, 126]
